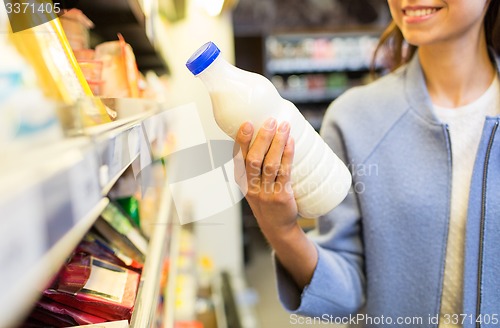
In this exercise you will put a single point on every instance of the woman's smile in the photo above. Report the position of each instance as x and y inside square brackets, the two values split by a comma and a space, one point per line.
[416, 14]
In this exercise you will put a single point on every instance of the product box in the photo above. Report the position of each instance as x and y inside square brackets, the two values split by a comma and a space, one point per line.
[59, 315]
[97, 287]
[121, 233]
[114, 324]
[119, 221]
[95, 245]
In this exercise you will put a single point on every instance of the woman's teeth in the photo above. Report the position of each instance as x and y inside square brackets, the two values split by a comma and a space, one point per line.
[420, 12]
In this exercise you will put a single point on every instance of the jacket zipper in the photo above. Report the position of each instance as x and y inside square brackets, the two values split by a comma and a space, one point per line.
[482, 224]
[448, 139]
[450, 159]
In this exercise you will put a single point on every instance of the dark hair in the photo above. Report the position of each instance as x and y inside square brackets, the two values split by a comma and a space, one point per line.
[396, 51]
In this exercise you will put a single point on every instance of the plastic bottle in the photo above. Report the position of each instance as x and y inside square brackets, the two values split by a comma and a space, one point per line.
[320, 180]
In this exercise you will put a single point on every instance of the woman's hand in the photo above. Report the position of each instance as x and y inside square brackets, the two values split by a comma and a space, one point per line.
[263, 173]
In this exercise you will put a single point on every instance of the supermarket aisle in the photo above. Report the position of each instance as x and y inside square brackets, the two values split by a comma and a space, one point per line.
[260, 276]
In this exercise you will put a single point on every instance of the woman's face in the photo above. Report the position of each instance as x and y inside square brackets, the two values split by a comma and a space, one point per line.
[425, 22]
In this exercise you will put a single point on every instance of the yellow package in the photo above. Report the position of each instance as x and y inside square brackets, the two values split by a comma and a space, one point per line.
[47, 49]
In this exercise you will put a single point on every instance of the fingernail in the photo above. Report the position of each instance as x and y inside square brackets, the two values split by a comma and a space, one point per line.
[247, 129]
[270, 124]
[284, 127]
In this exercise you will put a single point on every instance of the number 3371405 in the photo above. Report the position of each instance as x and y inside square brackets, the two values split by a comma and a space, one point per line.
[460, 319]
[32, 8]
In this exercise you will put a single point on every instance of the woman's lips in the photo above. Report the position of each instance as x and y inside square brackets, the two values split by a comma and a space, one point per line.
[419, 14]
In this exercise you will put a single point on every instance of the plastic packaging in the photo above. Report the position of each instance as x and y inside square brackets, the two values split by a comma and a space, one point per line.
[320, 180]
[119, 70]
[76, 26]
[62, 313]
[27, 118]
[96, 287]
[46, 48]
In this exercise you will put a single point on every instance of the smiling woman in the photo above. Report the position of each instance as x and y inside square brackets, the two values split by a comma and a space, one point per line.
[421, 239]
[418, 21]
[417, 24]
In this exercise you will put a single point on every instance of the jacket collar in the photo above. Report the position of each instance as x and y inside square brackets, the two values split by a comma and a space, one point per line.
[416, 90]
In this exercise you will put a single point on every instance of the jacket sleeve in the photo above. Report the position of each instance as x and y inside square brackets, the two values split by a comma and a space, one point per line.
[337, 285]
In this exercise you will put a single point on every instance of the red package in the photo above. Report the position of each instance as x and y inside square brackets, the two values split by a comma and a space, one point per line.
[97, 287]
[62, 310]
[43, 318]
[98, 247]
[32, 323]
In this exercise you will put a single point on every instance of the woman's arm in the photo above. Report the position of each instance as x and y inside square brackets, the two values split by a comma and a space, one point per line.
[318, 275]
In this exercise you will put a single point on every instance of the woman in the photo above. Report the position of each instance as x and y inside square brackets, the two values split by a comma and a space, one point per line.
[419, 243]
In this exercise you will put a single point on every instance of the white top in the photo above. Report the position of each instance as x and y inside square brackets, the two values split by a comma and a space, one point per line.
[465, 126]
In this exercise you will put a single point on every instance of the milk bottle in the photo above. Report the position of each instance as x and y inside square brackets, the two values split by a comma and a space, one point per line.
[320, 180]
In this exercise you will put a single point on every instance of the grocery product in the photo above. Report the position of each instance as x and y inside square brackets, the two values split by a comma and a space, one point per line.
[119, 69]
[76, 26]
[97, 287]
[27, 117]
[46, 48]
[320, 180]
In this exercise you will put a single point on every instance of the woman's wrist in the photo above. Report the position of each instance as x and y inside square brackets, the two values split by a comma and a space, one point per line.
[295, 251]
[282, 232]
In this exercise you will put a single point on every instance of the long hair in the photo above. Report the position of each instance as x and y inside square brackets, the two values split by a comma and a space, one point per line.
[393, 50]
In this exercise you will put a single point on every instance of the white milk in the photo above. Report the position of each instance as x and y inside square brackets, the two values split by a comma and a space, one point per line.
[320, 180]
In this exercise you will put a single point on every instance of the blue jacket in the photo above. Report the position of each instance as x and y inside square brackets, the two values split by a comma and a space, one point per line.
[381, 252]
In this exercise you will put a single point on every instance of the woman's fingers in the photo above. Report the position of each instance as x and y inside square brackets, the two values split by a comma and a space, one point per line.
[267, 162]
[272, 161]
[283, 180]
[256, 154]
[240, 150]
[243, 139]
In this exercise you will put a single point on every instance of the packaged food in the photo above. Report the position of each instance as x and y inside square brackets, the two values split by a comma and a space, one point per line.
[119, 72]
[91, 69]
[76, 26]
[117, 228]
[97, 246]
[27, 117]
[48, 51]
[84, 54]
[60, 315]
[97, 287]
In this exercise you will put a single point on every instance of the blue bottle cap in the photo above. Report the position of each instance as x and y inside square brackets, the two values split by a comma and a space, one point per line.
[202, 58]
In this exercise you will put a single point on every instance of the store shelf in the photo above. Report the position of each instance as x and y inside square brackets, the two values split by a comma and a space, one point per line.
[118, 145]
[126, 17]
[218, 301]
[48, 203]
[330, 62]
[306, 65]
[174, 252]
[149, 290]
[310, 96]
[51, 196]
[116, 150]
